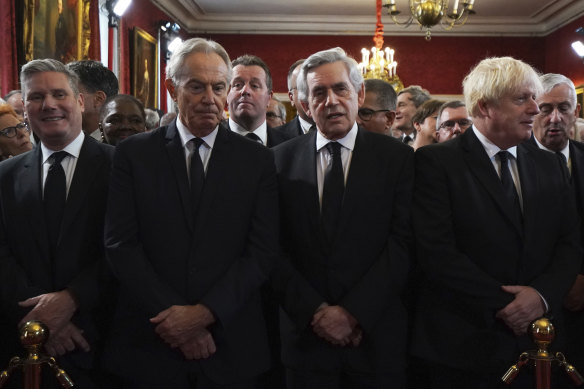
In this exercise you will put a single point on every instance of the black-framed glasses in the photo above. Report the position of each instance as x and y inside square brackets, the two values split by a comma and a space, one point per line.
[10, 132]
[272, 115]
[366, 113]
[449, 124]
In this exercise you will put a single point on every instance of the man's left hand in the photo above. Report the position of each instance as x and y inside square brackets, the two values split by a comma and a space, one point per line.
[177, 324]
[525, 308]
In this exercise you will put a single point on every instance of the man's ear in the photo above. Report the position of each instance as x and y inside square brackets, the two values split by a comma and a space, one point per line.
[99, 98]
[389, 119]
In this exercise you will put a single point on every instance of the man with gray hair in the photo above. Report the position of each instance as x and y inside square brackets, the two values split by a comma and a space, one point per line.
[52, 259]
[152, 119]
[408, 101]
[559, 110]
[302, 123]
[14, 98]
[489, 265]
[191, 233]
[377, 112]
[345, 196]
[452, 120]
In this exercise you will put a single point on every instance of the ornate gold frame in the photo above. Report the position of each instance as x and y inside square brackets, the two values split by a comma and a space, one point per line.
[140, 39]
[82, 22]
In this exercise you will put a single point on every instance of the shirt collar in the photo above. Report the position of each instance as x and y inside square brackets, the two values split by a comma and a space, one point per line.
[73, 148]
[261, 131]
[348, 141]
[565, 150]
[304, 124]
[186, 135]
[491, 148]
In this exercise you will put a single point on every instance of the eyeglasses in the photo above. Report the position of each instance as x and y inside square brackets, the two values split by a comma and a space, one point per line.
[366, 114]
[10, 132]
[272, 115]
[449, 124]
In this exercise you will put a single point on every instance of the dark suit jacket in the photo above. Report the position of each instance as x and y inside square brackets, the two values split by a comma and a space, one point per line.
[292, 128]
[163, 256]
[25, 268]
[275, 136]
[365, 268]
[468, 247]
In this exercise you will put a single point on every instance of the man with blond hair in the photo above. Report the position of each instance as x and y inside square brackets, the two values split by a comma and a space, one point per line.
[489, 269]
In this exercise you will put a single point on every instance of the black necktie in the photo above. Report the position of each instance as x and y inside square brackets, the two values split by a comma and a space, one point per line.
[254, 137]
[332, 192]
[407, 139]
[312, 128]
[197, 172]
[508, 185]
[54, 197]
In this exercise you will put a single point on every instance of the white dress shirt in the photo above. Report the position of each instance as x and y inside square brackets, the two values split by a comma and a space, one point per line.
[69, 162]
[205, 149]
[261, 131]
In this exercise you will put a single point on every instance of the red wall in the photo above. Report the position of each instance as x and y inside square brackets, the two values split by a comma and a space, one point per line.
[438, 65]
[560, 58]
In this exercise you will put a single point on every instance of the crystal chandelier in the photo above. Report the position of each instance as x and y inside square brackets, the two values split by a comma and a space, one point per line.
[379, 62]
[428, 13]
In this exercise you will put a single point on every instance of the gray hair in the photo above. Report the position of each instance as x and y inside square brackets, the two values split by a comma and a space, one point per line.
[175, 67]
[322, 58]
[386, 96]
[551, 80]
[47, 65]
[152, 119]
[11, 93]
[417, 93]
[449, 104]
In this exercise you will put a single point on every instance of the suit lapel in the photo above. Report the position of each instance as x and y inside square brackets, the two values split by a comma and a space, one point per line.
[481, 167]
[529, 183]
[176, 158]
[307, 170]
[217, 168]
[28, 192]
[88, 164]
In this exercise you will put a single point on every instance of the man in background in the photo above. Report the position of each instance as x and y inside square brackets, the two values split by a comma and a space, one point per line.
[96, 83]
[408, 101]
[276, 113]
[302, 123]
[377, 112]
[453, 120]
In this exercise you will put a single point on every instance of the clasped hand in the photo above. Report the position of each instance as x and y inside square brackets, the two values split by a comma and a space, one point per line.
[337, 326]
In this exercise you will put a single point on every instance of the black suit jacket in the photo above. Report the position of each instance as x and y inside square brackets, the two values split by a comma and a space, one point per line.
[25, 268]
[365, 268]
[163, 256]
[468, 247]
[292, 128]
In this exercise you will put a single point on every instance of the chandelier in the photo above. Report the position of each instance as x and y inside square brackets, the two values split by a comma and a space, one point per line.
[429, 13]
[379, 62]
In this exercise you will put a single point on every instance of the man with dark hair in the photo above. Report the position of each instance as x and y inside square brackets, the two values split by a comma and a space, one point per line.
[302, 123]
[377, 112]
[248, 98]
[192, 234]
[345, 196]
[52, 261]
[408, 101]
[96, 83]
[497, 238]
[453, 120]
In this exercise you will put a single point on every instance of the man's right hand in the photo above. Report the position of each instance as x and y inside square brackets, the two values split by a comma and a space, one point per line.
[200, 346]
[66, 340]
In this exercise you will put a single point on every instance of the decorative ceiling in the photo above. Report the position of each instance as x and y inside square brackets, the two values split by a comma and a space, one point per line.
[357, 17]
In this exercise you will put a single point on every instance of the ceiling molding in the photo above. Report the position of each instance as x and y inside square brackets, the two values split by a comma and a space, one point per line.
[193, 19]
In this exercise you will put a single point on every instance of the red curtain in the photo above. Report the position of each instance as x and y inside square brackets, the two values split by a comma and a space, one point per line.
[9, 66]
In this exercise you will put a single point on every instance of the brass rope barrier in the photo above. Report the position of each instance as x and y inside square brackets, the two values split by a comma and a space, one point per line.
[543, 333]
[33, 335]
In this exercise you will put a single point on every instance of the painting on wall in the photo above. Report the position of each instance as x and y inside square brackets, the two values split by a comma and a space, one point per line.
[145, 68]
[580, 99]
[56, 29]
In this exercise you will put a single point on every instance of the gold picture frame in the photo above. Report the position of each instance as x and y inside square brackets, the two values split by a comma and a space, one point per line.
[56, 29]
[580, 99]
[145, 68]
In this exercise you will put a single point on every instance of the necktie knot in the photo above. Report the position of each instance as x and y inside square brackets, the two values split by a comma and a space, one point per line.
[334, 148]
[57, 158]
[504, 156]
[562, 157]
[196, 143]
[254, 137]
